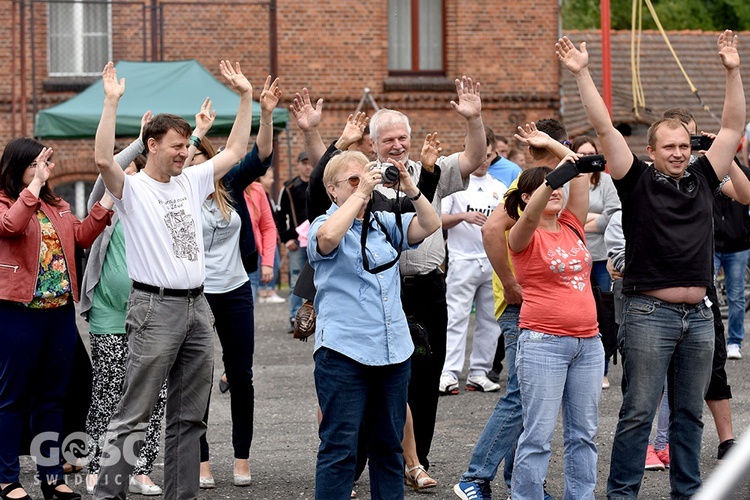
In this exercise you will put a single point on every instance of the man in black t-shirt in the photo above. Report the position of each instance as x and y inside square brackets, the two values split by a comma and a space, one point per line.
[667, 325]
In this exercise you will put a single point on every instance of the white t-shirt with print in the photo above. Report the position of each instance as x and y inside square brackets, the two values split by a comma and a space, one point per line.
[483, 195]
[163, 230]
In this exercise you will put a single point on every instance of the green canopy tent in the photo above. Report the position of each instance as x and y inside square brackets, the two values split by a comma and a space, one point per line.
[177, 87]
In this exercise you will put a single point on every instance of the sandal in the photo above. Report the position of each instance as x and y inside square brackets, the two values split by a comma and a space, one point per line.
[417, 478]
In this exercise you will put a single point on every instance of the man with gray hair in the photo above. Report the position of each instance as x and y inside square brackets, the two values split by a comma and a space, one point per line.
[423, 283]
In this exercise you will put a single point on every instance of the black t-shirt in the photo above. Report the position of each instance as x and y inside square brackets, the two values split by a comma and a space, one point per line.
[668, 226]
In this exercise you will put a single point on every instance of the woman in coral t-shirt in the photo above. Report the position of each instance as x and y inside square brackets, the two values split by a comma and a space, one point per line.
[560, 355]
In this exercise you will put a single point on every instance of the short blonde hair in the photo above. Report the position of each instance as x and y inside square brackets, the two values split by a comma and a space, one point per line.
[338, 163]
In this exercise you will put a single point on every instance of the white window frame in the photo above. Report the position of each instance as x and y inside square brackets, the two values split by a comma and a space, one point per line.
[77, 37]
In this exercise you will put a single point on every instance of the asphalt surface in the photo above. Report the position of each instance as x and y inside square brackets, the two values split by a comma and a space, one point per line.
[282, 458]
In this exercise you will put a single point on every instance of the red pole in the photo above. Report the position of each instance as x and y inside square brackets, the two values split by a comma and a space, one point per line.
[606, 56]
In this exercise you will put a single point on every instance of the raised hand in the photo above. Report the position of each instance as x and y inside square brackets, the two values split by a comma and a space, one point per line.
[234, 76]
[308, 117]
[431, 151]
[531, 136]
[355, 127]
[727, 43]
[576, 60]
[469, 103]
[370, 178]
[204, 119]
[42, 166]
[145, 119]
[113, 88]
[270, 96]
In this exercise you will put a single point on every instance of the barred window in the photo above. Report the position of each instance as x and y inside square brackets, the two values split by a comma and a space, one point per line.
[415, 36]
[80, 41]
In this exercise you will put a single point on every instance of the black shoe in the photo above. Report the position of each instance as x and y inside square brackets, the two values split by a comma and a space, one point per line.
[13, 486]
[49, 491]
[724, 447]
[223, 386]
[495, 375]
[291, 326]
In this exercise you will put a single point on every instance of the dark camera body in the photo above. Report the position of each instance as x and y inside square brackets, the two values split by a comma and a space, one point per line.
[388, 171]
[700, 142]
[591, 163]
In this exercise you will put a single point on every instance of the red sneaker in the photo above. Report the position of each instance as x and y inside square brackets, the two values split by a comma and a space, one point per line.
[663, 455]
[652, 461]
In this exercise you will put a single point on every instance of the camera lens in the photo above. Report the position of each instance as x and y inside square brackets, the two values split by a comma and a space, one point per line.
[390, 173]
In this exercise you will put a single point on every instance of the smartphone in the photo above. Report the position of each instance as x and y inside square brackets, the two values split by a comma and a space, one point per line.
[700, 142]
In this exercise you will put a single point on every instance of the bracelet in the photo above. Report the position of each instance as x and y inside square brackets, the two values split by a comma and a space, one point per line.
[266, 123]
[418, 196]
[363, 197]
[195, 141]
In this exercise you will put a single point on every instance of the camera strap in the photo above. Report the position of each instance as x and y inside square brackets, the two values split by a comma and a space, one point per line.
[365, 230]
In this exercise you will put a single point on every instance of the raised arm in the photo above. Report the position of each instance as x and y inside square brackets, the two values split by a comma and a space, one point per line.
[353, 130]
[722, 151]
[738, 186]
[531, 136]
[238, 137]
[427, 220]
[578, 197]
[614, 147]
[496, 247]
[204, 120]
[469, 106]
[104, 144]
[308, 119]
[268, 100]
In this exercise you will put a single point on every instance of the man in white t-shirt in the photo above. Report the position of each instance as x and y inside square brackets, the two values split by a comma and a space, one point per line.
[169, 322]
[469, 281]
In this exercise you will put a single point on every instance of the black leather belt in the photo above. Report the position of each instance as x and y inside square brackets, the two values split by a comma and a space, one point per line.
[172, 292]
[417, 277]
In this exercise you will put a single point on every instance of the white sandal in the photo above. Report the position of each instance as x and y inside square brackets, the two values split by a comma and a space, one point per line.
[419, 481]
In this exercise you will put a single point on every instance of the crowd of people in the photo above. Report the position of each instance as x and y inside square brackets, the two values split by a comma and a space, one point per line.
[184, 240]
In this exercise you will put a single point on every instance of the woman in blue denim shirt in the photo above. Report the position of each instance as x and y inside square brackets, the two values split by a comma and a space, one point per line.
[362, 341]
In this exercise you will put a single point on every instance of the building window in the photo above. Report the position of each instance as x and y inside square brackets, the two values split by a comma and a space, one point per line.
[415, 36]
[79, 37]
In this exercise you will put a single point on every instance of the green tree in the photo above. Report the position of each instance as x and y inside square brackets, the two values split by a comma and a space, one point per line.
[707, 15]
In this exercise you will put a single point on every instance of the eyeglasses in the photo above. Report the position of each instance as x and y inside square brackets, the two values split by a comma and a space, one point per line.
[199, 153]
[33, 165]
[352, 179]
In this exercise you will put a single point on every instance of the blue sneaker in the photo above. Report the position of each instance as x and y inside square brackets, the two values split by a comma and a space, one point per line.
[468, 490]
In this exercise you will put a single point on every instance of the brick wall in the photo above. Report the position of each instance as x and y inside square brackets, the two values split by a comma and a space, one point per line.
[334, 48]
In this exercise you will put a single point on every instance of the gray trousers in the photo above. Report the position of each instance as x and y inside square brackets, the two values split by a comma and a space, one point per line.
[169, 338]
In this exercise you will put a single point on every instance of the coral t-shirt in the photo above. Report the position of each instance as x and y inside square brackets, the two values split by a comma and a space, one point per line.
[554, 273]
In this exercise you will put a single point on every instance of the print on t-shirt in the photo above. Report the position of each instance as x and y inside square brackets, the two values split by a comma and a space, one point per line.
[568, 264]
[182, 229]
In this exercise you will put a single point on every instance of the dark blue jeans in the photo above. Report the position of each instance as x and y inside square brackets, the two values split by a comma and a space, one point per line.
[347, 391]
[661, 339]
[36, 358]
[235, 325]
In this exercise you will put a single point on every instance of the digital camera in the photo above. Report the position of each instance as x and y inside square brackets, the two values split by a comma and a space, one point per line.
[700, 142]
[389, 172]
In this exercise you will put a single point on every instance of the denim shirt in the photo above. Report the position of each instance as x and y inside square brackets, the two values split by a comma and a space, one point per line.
[359, 313]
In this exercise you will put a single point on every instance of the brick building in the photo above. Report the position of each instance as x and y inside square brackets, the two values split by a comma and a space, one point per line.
[53, 49]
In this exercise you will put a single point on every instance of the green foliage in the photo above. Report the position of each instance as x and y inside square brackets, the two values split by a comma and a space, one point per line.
[707, 15]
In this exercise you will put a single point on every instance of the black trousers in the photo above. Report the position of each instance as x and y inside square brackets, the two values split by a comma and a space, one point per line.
[423, 299]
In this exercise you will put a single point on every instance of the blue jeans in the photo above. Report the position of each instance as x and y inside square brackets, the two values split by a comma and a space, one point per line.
[600, 273]
[661, 440]
[347, 391]
[661, 339]
[498, 439]
[297, 260]
[552, 371]
[734, 265]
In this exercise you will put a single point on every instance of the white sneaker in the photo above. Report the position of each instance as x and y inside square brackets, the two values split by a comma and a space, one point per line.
[481, 383]
[733, 352]
[274, 299]
[448, 385]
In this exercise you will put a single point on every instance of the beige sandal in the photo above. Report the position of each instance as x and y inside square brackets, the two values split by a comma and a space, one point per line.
[419, 481]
